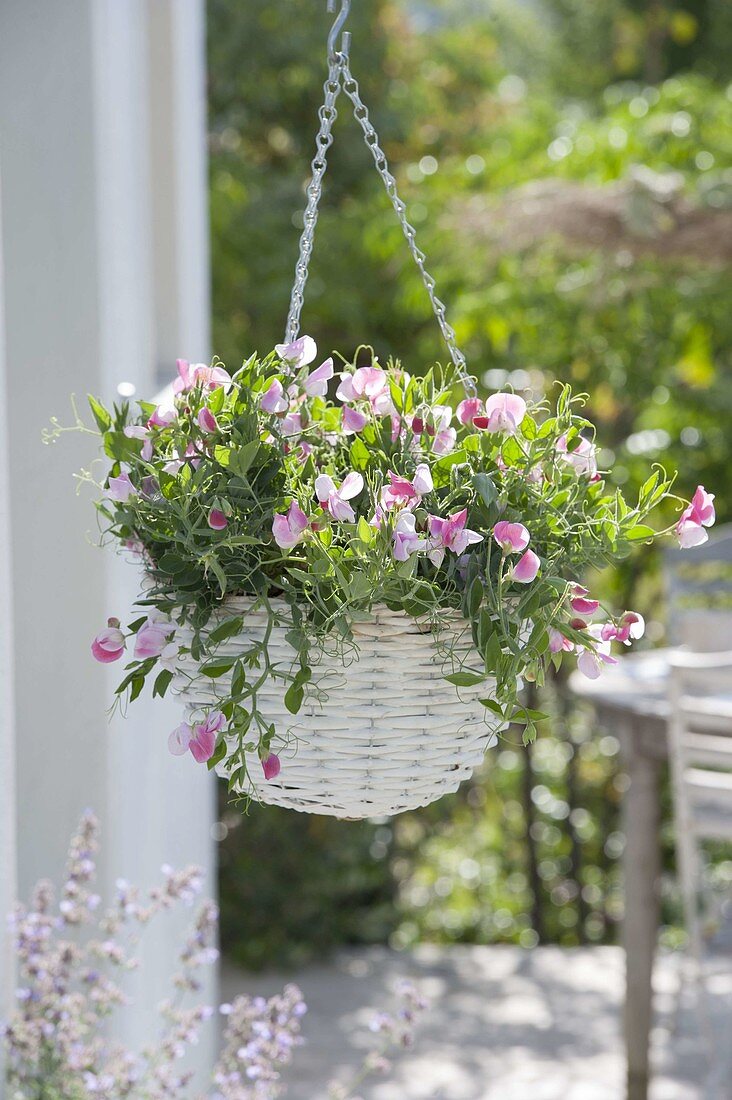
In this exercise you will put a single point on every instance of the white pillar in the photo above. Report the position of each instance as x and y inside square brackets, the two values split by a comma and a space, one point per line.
[102, 132]
[7, 715]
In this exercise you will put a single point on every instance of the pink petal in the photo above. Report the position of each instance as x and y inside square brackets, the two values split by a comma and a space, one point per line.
[353, 420]
[316, 384]
[511, 537]
[180, 739]
[217, 520]
[299, 352]
[273, 400]
[324, 486]
[206, 420]
[351, 487]
[505, 411]
[296, 518]
[469, 408]
[702, 504]
[203, 744]
[271, 766]
[526, 568]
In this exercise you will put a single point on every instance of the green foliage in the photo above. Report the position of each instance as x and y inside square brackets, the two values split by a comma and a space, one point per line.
[239, 490]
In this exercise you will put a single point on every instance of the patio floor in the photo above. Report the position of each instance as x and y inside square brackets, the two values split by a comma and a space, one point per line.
[504, 1024]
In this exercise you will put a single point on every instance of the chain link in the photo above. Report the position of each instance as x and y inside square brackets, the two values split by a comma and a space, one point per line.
[340, 69]
[327, 115]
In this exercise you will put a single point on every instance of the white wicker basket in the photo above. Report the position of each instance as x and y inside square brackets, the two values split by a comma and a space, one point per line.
[391, 735]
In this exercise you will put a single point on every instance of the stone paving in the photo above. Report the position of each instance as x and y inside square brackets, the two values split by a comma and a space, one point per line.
[505, 1024]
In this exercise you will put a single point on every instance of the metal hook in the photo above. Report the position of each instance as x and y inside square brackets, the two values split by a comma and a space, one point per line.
[336, 28]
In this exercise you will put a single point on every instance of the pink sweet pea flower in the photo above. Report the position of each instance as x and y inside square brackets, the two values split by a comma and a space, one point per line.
[153, 636]
[271, 766]
[449, 534]
[163, 417]
[291, 424]
[109, 644]
[403, 493]
[335, 501]
[192, 374]
[273, 398]
[526, 568]
[511, 537]
[290, 529]
[583, 457]
[591, 662]
[445, 441]
[503, 413]
[210, 378]
[367, 382]
[445, 437]
[298, 353]
[120, 488]
[353, 420]
[207, 422]
[422, 480]
[180, 739]
[558, 643]
[579, 602]
[203, 740]
[406, 539]
[137, 431]
[699, 514]
[316, 383]
[217, 521]
[468, 409]
[186, 379]
[629, 627]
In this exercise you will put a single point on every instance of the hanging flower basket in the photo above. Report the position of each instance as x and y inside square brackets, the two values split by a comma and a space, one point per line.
[388, 734]
[349, 568]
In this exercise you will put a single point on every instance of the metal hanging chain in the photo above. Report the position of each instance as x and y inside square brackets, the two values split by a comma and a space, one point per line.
[327, 115]
[360, 111]
[338, 69]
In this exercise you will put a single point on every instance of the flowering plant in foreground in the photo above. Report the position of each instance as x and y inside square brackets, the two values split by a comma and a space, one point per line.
[399, 490]
[72, 954]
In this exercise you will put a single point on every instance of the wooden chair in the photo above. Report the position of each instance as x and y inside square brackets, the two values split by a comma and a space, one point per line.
[700, 750]
[699, 593]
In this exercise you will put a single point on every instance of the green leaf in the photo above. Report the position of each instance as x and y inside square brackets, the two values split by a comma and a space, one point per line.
[219, 752]
[365, 531]
[227, 629]
[294, 697]
[120, 448]
[162, 682]
[475, 597]
[360, 454]
[218, 666]
[529, 734]
[485, 489]
[241, 460]
[640, 532]
[465, 679]
[138, 683]
[100, 414]
[492, 705]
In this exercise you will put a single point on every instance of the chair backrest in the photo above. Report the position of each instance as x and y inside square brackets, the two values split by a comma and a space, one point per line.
[699, 593]
[700, 744]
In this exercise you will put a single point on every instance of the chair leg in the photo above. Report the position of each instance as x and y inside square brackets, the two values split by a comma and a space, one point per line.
[690, 874]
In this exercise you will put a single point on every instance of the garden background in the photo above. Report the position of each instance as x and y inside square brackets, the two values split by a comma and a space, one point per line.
[578, 218]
